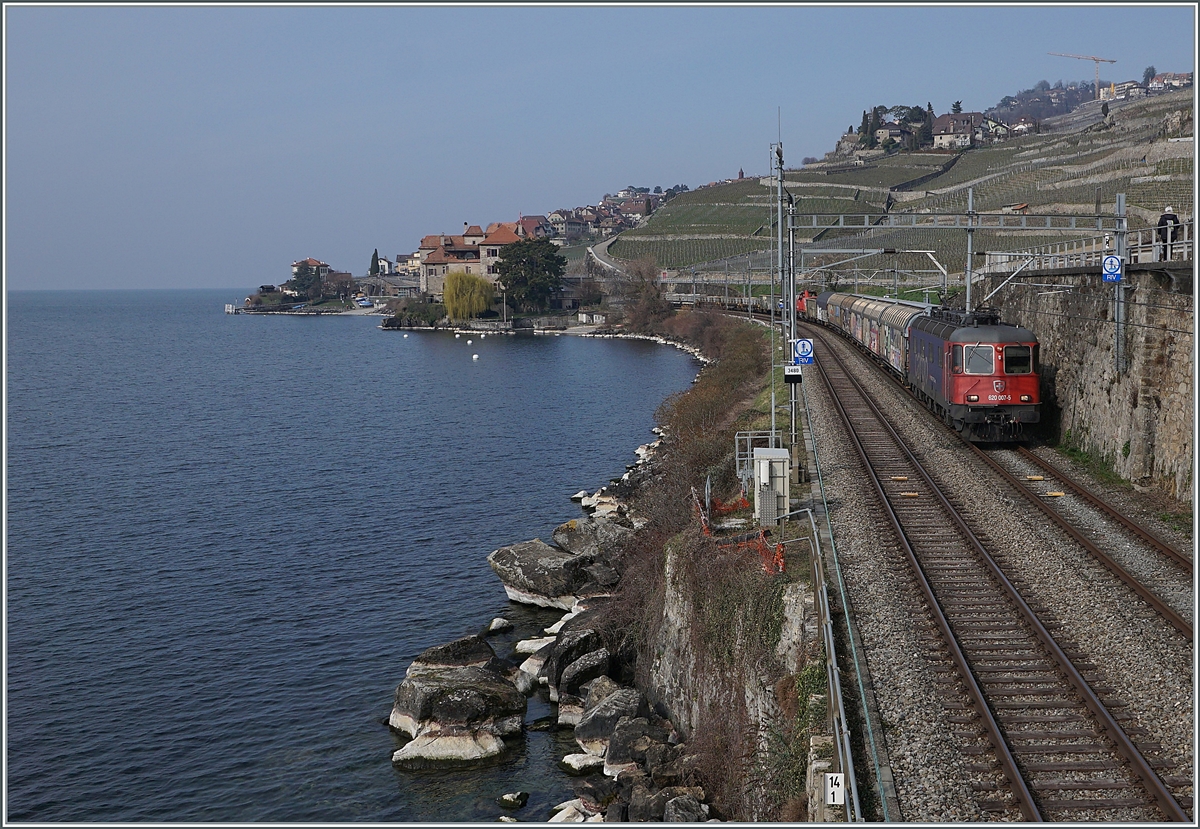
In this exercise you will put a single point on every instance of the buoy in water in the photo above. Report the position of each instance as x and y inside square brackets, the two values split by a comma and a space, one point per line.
[474, 356]
[468, 342]
[456, 336]
[406, 336]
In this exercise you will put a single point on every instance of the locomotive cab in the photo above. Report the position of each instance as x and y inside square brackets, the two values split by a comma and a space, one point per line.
[989, 383]
[992, 377]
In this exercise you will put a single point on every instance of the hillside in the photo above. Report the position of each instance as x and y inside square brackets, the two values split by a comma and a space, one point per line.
[1057, 171]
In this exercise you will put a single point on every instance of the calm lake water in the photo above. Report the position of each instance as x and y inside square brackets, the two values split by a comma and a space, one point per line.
[228, 536]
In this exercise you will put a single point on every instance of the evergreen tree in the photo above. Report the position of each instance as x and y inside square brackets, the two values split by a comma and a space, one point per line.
[1148, 75]
[872, 125]
[374, 269]
[862, 129]
[531, 270]
[307, 282]
[956, 108]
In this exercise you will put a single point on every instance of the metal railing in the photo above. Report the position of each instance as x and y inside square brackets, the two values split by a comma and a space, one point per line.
[837, 708]
[1142, 246]
[744, 446]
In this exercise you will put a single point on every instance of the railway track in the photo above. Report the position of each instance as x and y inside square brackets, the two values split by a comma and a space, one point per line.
[1171, 595]
[1028, 709]
[1034, 491]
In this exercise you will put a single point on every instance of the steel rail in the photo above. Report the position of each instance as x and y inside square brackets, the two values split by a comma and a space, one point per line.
[1124, 745]
[1165, 610]
[1024, 797]
[1129, 524]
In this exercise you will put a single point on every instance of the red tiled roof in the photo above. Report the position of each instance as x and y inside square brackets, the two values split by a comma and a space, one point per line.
[441, 257]
[473, 230]
[310, 261]
[501, 236]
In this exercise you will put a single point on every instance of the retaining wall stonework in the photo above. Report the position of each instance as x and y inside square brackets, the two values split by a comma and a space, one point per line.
[1140, 419]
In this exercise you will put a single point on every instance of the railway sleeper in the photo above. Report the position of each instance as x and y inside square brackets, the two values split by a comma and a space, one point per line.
[995, 806]
[1073, 765]
[1009, 691]
[1104, 803]
[1062, 784]
[1066, 748]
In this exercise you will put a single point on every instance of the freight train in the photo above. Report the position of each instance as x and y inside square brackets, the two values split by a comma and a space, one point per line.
[978, 373]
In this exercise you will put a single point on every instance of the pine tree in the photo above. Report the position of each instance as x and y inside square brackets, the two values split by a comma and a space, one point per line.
[956, 108]
[872, 125]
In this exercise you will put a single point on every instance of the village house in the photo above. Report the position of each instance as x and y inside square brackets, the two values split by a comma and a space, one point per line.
[892, 130]
[956, 131]
[320, 267]
[492, 246]
[998, 130]
[534, 227]
[474, 252]
[1166, 81]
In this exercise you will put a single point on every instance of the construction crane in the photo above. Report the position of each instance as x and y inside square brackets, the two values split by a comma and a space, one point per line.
[1088, 57]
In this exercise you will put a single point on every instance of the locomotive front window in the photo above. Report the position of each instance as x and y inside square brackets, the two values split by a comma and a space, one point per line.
[1017, 359]
[956, 360]
[979, 359]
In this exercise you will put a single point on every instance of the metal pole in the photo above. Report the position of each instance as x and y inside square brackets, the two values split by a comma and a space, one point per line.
[792, 306]
[779, 246]
[970, 240]
[1119, 289]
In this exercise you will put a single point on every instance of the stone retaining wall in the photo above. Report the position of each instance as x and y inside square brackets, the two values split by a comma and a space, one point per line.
[1140, 419]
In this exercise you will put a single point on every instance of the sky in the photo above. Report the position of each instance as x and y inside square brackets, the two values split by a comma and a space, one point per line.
[211, 146]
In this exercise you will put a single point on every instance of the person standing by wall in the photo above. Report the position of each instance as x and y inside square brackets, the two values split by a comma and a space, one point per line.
[1168, 225]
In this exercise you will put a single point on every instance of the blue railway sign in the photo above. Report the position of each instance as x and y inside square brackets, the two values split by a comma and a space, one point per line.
[802, 352]
[1112, 268]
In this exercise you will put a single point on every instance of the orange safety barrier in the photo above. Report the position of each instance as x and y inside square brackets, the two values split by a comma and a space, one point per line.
[721, 508]
[772, 559]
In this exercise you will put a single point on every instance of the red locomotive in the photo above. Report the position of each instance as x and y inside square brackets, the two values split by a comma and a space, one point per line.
[978, 373]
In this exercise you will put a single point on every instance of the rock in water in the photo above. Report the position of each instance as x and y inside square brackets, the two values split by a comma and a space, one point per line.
[513, 800]
[469, 651]
[596, 725]
[499, 625]
[582, 763]
[448, 746]
[568, 647]
[534, 572]
[583, 670]
[533, 645]
[455, 714]
[590, 536]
